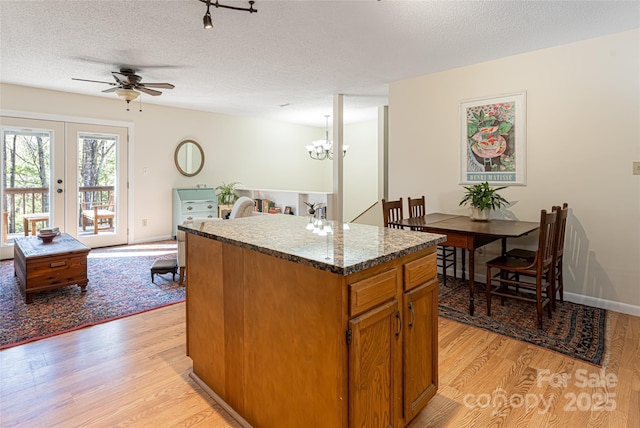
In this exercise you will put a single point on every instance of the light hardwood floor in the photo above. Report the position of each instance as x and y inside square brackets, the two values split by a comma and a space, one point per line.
[134, 372]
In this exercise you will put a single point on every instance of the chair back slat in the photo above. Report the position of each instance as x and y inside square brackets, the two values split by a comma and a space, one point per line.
[392, 211]
[545, 241]
[561, 226]
[416, 207]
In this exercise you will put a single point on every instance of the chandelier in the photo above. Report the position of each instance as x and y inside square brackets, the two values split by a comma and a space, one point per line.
[323, 149]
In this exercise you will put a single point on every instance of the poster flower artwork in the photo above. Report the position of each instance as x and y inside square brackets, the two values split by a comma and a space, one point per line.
[493, 140]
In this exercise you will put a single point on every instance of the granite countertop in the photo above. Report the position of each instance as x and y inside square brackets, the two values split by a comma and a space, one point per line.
[342, 251]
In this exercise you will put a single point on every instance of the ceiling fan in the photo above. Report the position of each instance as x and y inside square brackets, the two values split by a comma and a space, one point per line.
[128, 85]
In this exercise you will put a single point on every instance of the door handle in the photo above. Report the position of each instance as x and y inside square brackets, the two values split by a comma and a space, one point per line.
[413, 315]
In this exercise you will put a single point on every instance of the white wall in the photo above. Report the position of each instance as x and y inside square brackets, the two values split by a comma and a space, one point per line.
[255, 152]
[583, 132]
[360, 168]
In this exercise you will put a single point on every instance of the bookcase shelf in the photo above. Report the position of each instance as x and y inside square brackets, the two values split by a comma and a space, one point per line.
[289, 198]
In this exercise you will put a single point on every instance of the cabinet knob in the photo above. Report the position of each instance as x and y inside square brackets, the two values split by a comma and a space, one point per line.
[210, 216]
[189, 207]
[189, 218]
[209, 206]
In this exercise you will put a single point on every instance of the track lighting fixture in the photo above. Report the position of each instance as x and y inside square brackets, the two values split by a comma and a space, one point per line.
[206, 19]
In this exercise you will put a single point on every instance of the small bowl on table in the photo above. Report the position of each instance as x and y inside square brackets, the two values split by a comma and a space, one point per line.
[47, 237]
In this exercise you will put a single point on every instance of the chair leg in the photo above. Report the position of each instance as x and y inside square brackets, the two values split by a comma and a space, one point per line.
[181, 278]
[488, 291]
[559, 280]
[452, 252]
[539, 304]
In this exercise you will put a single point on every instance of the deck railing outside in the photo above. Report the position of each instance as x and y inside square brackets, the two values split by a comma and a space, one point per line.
[19, 202]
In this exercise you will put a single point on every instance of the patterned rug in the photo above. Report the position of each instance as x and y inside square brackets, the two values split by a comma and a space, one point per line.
[119, 286]
[575, 330]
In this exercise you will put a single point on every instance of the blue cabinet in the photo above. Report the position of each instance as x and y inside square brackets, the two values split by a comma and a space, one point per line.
[189, 204]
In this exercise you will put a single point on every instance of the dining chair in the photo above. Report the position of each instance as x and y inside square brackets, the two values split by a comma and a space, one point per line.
[512, 271]
[392, 211]
[558, 251]
[447, 256]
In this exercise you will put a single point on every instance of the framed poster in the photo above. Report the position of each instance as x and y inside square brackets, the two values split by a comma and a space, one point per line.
[493, 140]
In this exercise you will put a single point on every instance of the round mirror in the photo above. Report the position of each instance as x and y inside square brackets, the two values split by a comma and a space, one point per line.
[189, 158]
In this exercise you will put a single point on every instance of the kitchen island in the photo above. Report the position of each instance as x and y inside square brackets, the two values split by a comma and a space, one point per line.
[296, 323]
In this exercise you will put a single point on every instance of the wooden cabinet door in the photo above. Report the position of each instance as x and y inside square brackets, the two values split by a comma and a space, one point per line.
[372, 366]
[420, 347]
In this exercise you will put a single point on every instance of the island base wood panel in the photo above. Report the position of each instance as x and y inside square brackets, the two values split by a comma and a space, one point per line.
[270, 338]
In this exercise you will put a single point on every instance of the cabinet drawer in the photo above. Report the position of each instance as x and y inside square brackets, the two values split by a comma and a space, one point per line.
[372, 291]
[199, 207]
[56, 270]
[420, 271]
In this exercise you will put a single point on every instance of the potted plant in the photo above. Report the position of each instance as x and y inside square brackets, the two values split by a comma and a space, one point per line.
[482, 199]
[226, 193]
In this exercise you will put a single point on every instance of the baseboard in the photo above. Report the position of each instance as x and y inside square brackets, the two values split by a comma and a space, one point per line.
[596, 302]
[624, 308]
[241, 421]
[152, 239]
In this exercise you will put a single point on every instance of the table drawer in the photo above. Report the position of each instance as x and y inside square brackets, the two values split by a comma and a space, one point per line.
[420, 271]
[455, 240]
[370, 292]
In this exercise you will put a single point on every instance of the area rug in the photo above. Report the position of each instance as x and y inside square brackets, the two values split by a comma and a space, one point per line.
[575, 330]
[119, 286]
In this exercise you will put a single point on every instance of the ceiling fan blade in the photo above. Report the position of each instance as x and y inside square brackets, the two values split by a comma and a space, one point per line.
[157, 85]
[124, 79]
[148, 91]
[112, 89]
[94, 81]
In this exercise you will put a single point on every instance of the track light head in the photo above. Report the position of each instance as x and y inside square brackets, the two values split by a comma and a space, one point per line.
[206, 19]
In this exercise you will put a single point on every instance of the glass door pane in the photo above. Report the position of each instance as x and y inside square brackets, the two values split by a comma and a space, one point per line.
[26, 172]
[96, 183]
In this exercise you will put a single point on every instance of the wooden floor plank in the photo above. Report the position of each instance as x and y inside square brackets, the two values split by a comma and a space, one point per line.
[134, 372]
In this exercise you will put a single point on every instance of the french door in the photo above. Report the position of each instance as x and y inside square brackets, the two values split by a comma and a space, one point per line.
[51, 170]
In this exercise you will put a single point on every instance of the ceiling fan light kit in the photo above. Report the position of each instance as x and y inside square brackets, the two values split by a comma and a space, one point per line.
[206, 19]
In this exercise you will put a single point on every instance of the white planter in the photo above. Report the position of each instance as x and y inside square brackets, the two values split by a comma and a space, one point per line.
[480, 215]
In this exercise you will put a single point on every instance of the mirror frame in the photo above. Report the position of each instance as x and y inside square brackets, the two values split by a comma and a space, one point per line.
[175, 158]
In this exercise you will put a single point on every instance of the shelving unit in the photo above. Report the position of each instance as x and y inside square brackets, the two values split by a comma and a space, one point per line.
[289, 198]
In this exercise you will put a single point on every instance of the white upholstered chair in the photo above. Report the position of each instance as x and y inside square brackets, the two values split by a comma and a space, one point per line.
[243, 207]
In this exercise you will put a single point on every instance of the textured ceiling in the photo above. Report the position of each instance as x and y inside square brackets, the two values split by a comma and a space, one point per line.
[292, 53]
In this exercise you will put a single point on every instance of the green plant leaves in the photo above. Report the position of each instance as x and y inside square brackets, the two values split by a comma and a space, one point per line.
[482, 196]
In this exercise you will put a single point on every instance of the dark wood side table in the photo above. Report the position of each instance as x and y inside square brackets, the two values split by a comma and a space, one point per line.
[41, 266]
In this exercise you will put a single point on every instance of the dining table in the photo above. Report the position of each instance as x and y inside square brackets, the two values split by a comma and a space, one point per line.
[467, 234]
